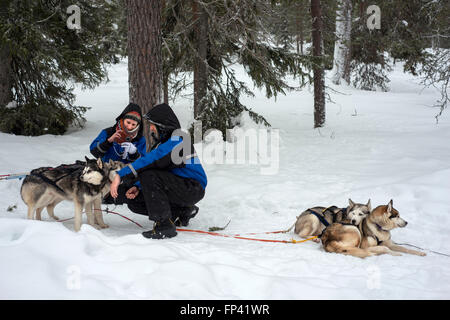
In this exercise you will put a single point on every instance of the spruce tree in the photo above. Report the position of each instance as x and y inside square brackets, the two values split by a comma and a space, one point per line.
[41, 58]
[237, 33]
[408, 30]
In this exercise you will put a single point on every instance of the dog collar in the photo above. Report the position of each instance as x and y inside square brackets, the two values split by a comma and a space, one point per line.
[380, 227]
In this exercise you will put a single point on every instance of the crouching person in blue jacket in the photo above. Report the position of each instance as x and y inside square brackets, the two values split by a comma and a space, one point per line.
[170, 175]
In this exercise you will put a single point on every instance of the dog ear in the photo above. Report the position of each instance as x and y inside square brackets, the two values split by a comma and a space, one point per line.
[369, 205]
[351, 204]
[100, 163]
[389, 206]
[87, 159]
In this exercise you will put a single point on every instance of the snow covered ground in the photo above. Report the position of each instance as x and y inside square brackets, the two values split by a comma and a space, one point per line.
[375, 145]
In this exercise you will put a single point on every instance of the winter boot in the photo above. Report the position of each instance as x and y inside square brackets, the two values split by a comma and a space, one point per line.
[161, 230]
[181, 216]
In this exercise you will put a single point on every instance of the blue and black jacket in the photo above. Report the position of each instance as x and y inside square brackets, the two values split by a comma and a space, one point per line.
[166, 154]
[102, 148]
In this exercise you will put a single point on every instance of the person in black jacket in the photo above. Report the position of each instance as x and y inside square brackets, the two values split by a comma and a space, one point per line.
[171, 177]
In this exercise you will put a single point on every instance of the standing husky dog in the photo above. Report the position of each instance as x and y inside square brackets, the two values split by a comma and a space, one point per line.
[372, 237]
[313, 221]
[82, 183]
[113, 167]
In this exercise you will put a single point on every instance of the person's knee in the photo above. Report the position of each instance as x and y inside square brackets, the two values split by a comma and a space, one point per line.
[150, 180]
[138, 208]
[137, 205]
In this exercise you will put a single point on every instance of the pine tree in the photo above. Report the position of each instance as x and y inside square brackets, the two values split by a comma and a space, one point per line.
[369, 66]
[236, 33]
[40, 57]
[407, 30]
[434, 69]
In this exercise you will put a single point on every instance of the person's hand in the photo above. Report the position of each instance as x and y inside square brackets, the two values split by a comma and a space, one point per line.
[128, 148]
[132, 192]
[116, 136]
[114, 186]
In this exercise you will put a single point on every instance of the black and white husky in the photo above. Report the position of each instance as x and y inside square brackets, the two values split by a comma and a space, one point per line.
[313, 221]
[84, 183]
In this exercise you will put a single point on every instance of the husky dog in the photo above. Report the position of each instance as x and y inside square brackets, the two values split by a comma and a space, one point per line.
[83, 183]
[313, 221]
[372, 237]
[98, 222]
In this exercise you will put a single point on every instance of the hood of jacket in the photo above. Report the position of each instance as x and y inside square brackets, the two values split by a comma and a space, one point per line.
[165, 120]
[162, 115]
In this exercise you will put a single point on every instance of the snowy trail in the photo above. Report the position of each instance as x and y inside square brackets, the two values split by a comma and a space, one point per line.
[389, 148]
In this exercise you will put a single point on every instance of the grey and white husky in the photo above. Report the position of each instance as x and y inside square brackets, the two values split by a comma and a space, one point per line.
[84, 183]
[313, 221]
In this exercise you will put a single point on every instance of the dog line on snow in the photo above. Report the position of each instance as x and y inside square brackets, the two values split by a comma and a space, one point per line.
[356, 230]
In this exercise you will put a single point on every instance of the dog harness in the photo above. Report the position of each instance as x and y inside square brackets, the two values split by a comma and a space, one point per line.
[321, 217]
[77, 167]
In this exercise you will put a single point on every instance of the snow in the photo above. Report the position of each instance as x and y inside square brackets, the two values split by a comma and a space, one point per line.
[11, 105]
[377, 145]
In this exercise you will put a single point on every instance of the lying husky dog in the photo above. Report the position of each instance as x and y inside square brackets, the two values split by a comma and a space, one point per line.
[83, 183]
[372, 237]
[313, 221]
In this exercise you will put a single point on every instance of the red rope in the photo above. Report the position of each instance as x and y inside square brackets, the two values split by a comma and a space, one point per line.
[107, 211]
[236, 236]
[245, 238]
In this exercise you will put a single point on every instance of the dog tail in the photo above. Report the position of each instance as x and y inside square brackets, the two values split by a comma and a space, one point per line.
[291, 227]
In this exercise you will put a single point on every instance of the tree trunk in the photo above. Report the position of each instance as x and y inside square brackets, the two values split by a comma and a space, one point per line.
[319, 79]
[342, 46]
[166, 88]
[299, 25]
[200, 60]
[145, 68]
[5, 77]
[165, 73]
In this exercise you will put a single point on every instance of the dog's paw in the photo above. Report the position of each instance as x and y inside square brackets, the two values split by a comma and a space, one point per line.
[56, 218]
[101, 226]
[96, 226]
